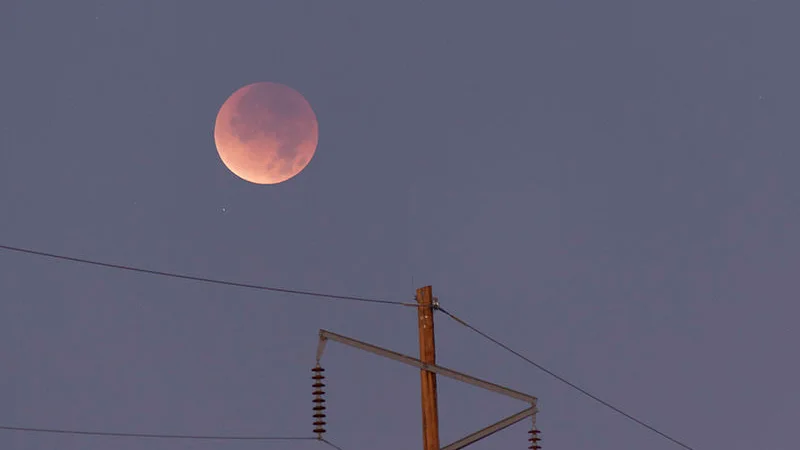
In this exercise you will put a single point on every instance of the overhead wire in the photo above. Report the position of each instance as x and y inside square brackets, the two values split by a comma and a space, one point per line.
[195, 437]
[199, 279]
[565, 381]
[158, 436]
[205, 279]
[330, 444]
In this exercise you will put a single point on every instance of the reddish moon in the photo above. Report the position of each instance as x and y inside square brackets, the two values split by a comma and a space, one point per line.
[266, 133]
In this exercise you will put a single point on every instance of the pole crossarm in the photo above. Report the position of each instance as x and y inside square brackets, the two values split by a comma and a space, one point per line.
[491, 429]
[325, 335]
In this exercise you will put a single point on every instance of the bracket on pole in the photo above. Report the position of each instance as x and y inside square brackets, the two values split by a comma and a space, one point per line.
[531, 411]
[491, 429]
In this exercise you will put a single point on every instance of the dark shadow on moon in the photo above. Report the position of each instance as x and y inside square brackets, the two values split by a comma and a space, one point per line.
[266, 111]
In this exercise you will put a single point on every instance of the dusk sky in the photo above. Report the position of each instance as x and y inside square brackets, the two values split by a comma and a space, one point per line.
[608, 187]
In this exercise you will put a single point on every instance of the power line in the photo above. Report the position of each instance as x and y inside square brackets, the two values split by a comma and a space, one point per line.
[171, 436]
[330, 444]
[567, 382]
[204, 279]
[158, 436]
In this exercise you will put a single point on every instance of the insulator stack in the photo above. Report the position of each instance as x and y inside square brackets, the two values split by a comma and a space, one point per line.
[319, 402]
[534, 439]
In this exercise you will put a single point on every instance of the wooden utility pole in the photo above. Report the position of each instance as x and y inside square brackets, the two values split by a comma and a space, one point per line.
[427, 355]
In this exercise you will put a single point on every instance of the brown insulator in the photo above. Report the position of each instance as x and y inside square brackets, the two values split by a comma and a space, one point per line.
[534, 439]
[319, 401]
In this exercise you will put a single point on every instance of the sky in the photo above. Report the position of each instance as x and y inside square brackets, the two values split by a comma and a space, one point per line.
[607, 187]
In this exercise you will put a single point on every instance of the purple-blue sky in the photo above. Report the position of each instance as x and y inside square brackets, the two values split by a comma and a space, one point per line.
[609, 187]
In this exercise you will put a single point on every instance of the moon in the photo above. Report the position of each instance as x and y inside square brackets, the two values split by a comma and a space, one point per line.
[266, 133]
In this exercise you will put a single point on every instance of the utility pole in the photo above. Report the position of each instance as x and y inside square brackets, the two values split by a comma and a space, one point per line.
[426, 305]
[427, 354]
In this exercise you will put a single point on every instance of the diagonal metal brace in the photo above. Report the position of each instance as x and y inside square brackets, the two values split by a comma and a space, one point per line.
[325, 335]
[491, 429]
